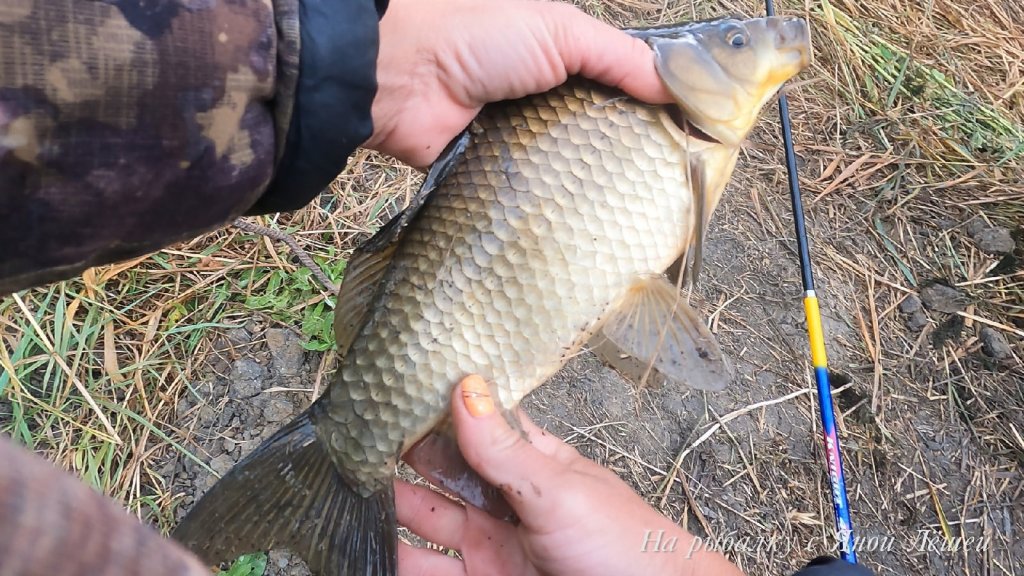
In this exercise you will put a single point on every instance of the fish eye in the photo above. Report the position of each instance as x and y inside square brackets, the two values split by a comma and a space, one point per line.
[735, 35]
[737, 38]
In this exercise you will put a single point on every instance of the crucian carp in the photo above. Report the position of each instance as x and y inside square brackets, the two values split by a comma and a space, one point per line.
[548, 223]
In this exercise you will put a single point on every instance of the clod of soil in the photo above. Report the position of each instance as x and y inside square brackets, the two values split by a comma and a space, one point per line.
[991, 240]
[942, 298]
[910, 304]
[994, 344]
[912, 309]
[286, 351]
[949, 330]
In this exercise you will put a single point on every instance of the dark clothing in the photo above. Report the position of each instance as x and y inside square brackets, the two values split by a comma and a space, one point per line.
[128, 125]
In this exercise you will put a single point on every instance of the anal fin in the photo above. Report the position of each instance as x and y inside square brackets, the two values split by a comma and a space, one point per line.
[654, 329]
[437, 458]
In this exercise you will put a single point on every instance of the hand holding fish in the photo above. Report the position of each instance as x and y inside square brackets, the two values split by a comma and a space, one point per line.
[576, 517]
[440, 61]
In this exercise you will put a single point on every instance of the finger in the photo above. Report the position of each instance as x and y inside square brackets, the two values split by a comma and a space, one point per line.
[430, 515]
[413, 561]
[526, 476]
[604, 53]
[546, 441]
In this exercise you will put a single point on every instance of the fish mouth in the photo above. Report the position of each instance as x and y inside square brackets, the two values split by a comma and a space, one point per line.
[678, 117]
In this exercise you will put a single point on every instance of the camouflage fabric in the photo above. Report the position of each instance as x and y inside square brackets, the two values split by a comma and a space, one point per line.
[128, 125]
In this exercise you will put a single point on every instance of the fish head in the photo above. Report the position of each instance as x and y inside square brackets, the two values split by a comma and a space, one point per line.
[722, 72]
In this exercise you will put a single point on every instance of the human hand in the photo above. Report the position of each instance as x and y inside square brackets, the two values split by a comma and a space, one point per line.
[440, 61]
[576, 517]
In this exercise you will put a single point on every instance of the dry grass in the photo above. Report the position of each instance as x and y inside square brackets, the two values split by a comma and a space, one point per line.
[908, 127]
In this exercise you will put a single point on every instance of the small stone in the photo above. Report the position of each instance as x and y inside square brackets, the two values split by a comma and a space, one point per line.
[278, 558]
[246, 369]
[286, 351]
[168, 468]
[910, 304]
[995, 241]
[976, 225]
[942, 298]
[236, 337]
[994, 344]
[252, 325]
[184, 504]
[216, 449]
[207, 415]
[278, 410]
[221, 464]
[917, 321]
[182, 407]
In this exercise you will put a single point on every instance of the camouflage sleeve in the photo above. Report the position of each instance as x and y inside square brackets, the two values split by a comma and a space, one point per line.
[128, 125]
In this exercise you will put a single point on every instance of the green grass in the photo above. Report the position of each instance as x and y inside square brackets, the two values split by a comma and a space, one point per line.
[286, 297]
[248, 565]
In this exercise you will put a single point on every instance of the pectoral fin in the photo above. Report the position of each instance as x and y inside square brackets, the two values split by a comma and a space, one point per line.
[656, 327]
[357, 292]
[708, 177]
[694, 258]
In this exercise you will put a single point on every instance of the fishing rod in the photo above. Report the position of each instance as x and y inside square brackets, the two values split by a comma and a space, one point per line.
[840, 504]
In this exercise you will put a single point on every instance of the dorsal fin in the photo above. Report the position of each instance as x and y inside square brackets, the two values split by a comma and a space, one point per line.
[371, 260]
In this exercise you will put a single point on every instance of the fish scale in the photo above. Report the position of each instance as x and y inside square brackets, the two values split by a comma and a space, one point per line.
[575, 258]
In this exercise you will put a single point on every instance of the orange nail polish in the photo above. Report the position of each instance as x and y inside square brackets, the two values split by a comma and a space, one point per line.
[477, 396]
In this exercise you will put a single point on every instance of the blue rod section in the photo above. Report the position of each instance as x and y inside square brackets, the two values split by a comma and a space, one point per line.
[840, 504]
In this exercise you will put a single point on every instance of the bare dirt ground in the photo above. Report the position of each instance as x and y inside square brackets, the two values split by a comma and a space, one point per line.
[908, 131]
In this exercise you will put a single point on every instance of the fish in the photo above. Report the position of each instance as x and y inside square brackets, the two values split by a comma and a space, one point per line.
[545, 226]
[53, 523]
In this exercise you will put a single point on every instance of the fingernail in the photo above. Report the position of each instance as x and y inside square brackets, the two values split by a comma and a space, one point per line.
[476, 395]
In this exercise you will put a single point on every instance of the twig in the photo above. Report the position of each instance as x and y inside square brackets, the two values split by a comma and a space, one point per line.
[301, 254]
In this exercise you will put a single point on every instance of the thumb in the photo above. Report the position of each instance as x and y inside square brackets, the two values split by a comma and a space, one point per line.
[526, 476]
[601, 52]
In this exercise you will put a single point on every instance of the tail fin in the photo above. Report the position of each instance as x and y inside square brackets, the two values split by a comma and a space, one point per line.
[287, 493]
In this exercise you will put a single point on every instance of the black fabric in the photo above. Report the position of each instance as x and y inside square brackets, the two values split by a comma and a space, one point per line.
[336, 86]
[829, 566]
